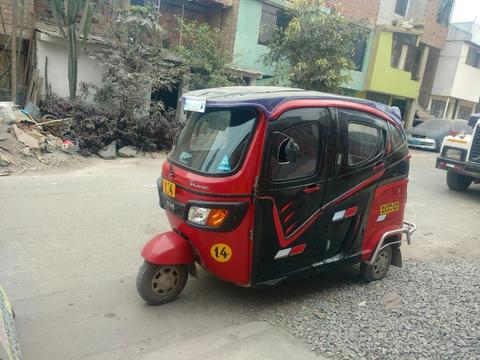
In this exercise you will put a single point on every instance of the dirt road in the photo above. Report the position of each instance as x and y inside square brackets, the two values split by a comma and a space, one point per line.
[69, 252]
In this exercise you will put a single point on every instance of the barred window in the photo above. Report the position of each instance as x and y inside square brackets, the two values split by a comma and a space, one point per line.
[437, 108]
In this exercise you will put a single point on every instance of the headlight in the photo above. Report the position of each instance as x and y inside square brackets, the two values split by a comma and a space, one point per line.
[454, 154]
[198, 215]
[207, 217]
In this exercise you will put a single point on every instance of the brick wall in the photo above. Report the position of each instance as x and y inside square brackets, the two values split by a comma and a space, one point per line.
[360, 10]
[213, 14]
[435, 34]
[7, 16]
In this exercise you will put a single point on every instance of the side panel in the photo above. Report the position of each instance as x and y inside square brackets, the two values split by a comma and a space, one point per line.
[386, 213]
[349, 194]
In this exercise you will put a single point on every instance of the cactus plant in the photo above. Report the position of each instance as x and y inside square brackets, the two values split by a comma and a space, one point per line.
[65, 13]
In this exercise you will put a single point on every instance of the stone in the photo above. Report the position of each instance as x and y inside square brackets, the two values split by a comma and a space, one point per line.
[109, 152]
[8, 141]
[127, 151]
[7, 115]
[391, 300]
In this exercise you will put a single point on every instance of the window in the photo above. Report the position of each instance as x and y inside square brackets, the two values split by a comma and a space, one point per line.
[398, 139]
[405, 53]
[359, 54]
[214, 142]
[464, 113]
[362, 142]
[306, 136]
[437, 108]
[473, 57]
[444, 12]
[271, 17]
[401, 7]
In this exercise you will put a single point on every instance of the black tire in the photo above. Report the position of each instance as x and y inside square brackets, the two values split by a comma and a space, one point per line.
[458, 182]
[149, 284]
[379, 269]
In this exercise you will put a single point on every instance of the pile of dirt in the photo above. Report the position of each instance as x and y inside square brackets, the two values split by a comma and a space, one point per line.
[29, 143]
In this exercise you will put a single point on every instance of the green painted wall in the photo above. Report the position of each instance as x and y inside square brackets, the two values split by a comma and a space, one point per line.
[359, 78]
[247, 53]
[385, 79]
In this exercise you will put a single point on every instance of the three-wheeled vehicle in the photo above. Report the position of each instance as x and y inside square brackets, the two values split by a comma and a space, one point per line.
[267, 184]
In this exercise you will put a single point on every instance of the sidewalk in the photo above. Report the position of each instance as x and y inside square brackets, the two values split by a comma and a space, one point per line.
[253, 340]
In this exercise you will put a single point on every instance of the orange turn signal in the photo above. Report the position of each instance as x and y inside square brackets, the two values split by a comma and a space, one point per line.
[216, 217]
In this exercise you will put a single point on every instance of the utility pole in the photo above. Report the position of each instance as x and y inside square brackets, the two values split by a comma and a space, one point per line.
[13, 67]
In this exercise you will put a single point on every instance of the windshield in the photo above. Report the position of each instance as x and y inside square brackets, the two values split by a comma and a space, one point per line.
[215, 141]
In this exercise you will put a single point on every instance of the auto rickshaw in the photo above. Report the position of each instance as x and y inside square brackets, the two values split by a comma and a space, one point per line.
[268, 184]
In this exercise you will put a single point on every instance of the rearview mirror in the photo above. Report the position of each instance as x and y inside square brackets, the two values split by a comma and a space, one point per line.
[288, 151]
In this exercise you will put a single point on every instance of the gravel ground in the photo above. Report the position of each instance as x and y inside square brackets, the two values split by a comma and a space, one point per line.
[425, 310]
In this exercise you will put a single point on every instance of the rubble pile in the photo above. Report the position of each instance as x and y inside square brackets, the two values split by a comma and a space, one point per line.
[28, 142]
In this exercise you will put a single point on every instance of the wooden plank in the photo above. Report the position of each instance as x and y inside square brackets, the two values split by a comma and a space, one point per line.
[29, 56]
[31, 85]
[38, 90]
[13, 71]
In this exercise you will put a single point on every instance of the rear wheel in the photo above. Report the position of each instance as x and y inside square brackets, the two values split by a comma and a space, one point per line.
[458, 182]
[160, 284]
[377, 270]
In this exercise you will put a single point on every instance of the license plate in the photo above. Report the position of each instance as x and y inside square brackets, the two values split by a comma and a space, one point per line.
[169, 188]
[415, 141]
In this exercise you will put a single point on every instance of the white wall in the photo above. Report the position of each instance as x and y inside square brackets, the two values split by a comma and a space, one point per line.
[56, 50]
[467, 79]
[447, 68]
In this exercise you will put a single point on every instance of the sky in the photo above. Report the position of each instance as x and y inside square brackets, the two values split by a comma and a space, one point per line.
[466, 10]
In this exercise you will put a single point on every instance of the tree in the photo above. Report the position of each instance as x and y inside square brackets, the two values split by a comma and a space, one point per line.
[202, 50]
[65, 13]
[135, 62]
[315, 50]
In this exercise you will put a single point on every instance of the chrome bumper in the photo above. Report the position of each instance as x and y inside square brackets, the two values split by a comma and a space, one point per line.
[407, 229]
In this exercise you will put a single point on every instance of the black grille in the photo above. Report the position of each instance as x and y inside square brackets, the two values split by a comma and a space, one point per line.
[475, 151]
[419, 136]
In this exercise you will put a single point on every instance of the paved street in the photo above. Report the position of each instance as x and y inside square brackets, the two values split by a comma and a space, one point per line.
[70, 248]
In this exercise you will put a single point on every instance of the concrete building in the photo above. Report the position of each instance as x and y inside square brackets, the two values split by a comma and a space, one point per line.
[364, 13]
[409, 37]
[251, 33]
[456, 90]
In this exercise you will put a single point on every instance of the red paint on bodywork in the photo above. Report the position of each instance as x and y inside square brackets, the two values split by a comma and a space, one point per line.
[297, 250]
[386, 194]
[168, 248]
[351, 212]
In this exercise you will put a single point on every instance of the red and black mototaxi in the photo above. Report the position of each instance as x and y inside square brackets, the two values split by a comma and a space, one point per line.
[267, 184]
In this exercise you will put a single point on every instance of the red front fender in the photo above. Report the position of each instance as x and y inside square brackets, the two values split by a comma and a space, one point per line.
[168, 248]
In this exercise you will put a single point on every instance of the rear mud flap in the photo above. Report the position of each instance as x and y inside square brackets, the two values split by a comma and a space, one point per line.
[397, 256]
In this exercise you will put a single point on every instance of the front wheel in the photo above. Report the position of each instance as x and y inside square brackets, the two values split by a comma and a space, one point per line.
[458, 182]
[377, 270]
[160, 284]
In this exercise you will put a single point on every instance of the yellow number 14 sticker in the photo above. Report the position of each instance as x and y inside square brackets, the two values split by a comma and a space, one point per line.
[221, 252]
